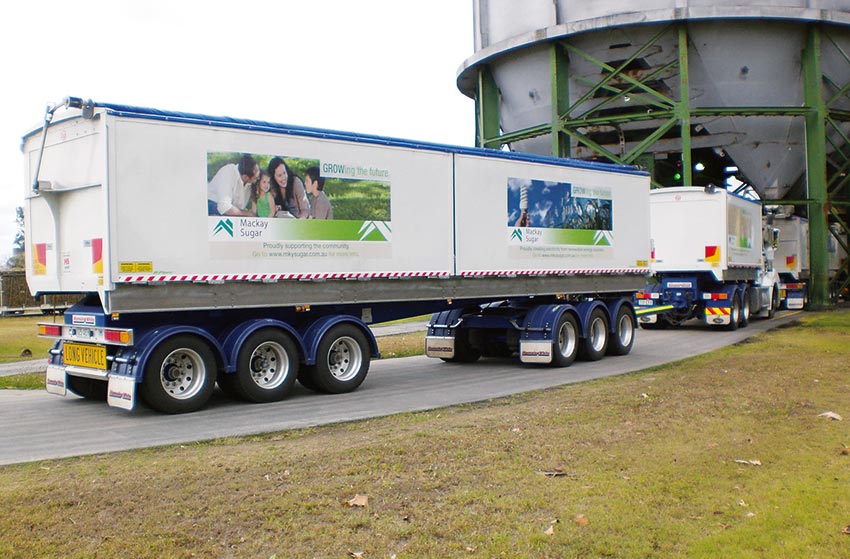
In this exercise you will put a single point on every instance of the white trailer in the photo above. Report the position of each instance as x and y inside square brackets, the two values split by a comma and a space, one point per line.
[179, 295]
[711, 259]
[791, 259]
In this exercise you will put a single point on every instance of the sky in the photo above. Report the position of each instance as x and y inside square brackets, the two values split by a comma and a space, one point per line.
[385, 67]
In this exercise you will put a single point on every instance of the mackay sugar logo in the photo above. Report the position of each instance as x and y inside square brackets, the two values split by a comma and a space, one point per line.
[224, 225]
[375, 231]
[517, 234]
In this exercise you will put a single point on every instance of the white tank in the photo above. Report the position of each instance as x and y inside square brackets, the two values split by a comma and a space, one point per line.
[741, 54]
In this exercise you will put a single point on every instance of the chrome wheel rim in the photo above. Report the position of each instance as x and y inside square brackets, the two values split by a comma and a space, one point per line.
[567, 339]
[625, 331]
[183, 373]
[598, 334]
[345, 358]
[269, 365]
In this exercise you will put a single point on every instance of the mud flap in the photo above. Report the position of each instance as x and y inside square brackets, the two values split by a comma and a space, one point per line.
[535, 352]
[56, 380]
[442, 347]
[121, 392]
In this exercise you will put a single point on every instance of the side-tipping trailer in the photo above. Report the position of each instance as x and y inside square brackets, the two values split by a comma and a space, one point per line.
[792, 259]
[196, 272]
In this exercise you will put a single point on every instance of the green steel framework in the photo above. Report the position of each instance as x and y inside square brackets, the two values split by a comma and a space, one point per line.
[828, 178]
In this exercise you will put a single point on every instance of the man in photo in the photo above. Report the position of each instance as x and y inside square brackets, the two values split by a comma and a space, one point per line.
[229, 191]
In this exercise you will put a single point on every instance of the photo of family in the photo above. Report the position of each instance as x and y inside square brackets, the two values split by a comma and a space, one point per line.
[553, 205]
[273, 186]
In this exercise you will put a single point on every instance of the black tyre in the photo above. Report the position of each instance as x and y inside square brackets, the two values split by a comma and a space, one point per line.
[88, 388]
[624, 333]
[775, 301]
[594, 346]
[745, 309]
[566, 341]
[305, 377]
[464, 352]
[227, 384]
[267, 366]
[342, 360]
[180, 375]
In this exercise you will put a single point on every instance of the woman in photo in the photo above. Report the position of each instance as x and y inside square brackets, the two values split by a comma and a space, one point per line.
[288, 190]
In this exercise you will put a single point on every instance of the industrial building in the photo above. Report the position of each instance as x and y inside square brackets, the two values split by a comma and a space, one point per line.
[753, 96]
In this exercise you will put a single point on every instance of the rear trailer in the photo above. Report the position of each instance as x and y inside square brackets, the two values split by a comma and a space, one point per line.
[513, 254]
[792, 260]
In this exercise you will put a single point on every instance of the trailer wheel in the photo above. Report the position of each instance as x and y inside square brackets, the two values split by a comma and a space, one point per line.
[565, 344]
[624, 333]
[227, 383]
[305, 377]
[180, 375]
[734, 314]
[745, 308]
[88, 388]
[266, 367]
[594, 346]
[464, 352]
[342, 360]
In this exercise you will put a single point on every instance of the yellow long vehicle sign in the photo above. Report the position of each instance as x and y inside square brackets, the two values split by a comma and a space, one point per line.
[84, 355]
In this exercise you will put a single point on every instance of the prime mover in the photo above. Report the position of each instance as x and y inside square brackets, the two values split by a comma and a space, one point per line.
[712, 260]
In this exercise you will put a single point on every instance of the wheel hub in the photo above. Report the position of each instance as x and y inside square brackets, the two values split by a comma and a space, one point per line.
[172, 372]
[259, 364]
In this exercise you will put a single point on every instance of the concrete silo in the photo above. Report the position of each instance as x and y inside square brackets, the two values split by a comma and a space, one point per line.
[751, 93]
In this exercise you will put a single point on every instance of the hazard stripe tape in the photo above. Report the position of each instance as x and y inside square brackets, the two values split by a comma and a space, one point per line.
[717, 311]
[206, 278]
[590, 271]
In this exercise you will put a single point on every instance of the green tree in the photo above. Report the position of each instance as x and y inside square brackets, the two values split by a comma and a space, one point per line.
[16, 262]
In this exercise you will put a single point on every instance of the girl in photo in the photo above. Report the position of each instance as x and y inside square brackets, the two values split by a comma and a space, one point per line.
[262, 199]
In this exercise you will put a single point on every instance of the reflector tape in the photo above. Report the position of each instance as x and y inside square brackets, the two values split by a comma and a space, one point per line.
[654, 310]
[717, 311]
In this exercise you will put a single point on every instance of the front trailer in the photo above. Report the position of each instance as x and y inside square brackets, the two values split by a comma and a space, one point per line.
[512, 254]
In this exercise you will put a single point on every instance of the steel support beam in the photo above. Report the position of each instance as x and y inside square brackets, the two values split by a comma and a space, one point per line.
[487, 104]
[559, 68]
[683, 108]
[816, 183]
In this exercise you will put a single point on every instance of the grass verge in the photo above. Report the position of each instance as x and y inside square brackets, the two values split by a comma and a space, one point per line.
[19, 339]
[28, 381]
[722, 455]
